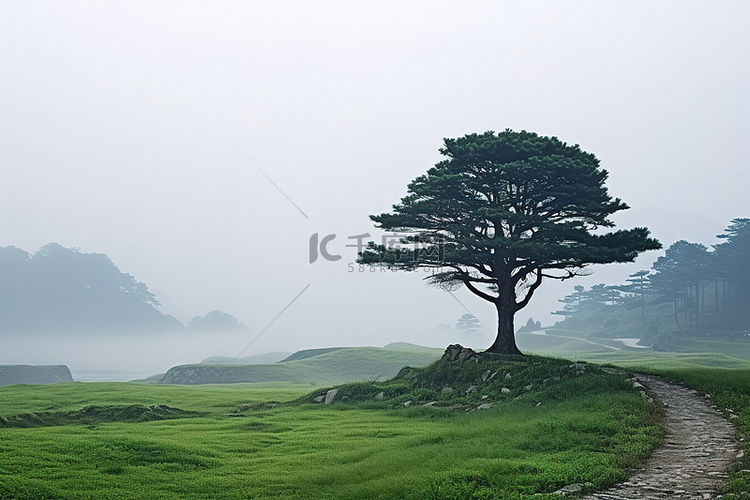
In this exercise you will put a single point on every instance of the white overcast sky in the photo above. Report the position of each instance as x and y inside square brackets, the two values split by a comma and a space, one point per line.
[118, 125]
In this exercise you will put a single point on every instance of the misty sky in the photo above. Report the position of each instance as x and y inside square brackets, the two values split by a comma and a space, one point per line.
[119, 120]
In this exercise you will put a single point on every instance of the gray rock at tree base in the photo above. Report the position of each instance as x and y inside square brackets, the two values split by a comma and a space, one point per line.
[379, 396]
[330, 395]
[26, 374]
[457, 352]
[319, 399]
[446, 390]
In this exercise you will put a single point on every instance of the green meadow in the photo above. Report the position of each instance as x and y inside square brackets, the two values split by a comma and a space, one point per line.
[272, 441]
[425, 434]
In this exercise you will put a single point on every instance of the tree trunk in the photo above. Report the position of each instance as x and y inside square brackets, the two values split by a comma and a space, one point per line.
[505, 342]
[716, 296]
[643, 303]
[736, 304]
[676, 318]
[699, 300]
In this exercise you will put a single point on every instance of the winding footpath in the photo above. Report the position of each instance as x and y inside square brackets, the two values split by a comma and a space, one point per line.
[698, 448]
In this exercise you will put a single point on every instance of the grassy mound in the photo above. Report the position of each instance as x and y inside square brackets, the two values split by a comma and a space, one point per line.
[560, 422]
[92, 415]
[314, 366]
[480, 383]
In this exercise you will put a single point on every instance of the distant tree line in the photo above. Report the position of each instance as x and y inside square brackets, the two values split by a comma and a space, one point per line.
[707, 289]
[216, 320]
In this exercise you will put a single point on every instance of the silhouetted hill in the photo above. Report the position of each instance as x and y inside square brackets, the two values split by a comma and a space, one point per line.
[25, 374]
[256, 359]
[309, 353]
[61, 289]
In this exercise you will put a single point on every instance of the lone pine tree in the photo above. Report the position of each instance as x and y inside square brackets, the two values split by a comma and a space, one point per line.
[500, 214]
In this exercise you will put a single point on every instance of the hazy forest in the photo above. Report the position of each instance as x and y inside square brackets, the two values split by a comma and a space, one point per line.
[692, 290]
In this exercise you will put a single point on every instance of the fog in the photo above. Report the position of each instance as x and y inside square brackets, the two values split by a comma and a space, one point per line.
[200, 146]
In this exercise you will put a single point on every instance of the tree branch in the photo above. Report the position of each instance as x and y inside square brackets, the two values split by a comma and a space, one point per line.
[530, 291]
[467, 280]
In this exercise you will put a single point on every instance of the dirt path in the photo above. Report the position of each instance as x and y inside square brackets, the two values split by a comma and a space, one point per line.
[698, 447]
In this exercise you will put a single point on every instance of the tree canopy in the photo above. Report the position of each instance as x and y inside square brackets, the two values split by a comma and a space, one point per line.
[468, 322]
[216, 321]
[502, 212]
[732, 259]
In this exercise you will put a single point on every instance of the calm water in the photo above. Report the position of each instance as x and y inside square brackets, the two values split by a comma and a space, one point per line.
[102, 375]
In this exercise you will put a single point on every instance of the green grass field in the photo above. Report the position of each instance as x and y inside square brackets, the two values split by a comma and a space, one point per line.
[549, 426]
[697, 352]
[588, 429]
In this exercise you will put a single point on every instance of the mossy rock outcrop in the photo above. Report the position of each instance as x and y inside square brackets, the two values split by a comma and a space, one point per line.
[26, 374]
